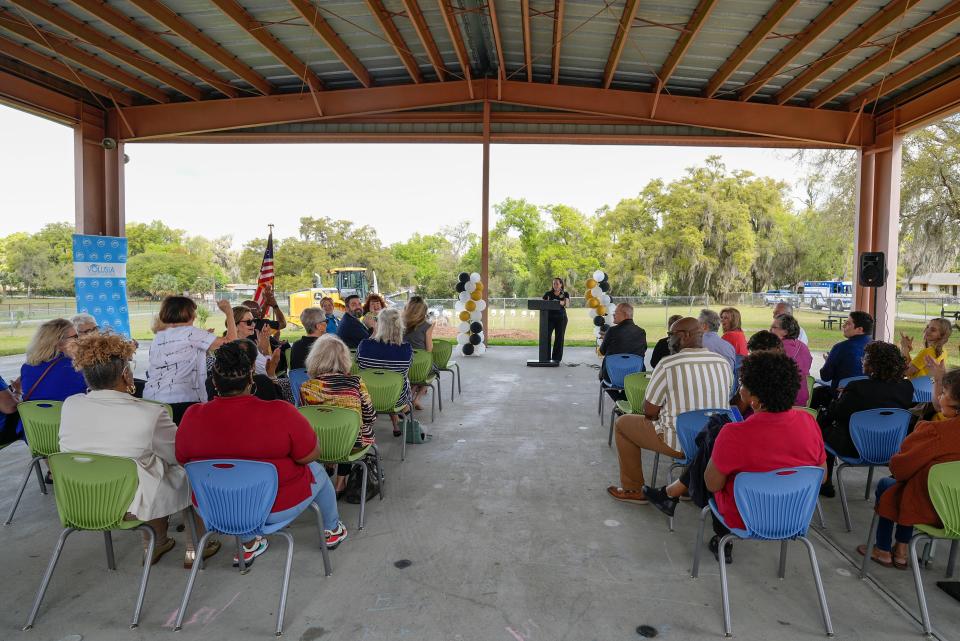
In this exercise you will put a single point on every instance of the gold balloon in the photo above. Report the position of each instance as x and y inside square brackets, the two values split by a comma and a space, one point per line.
[471, 306]
[476, 294]
[601, 310]
[464, 316]
[592, 302]
[479, 285]
[591, 283]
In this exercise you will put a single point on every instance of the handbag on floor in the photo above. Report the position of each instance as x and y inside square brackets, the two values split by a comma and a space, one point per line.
[352, 494]
[415, 433]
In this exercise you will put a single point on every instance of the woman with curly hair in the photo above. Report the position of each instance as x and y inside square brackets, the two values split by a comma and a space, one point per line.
[884, 386]
[110, 420]
[935, 337]
[372, 306]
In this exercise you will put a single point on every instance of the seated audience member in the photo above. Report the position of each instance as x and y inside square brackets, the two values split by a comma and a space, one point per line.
[764, 340]
[885, 387]
[331, 383]
[84, 324]
[903, 499]
[326, 304]
[845, 358]
[386, 350]
[48, 373]
[732, 330]
[709, 325]
[238, 425]
[177, 369]
[266, 386]
[372, 306]
[662, 348]
[418, 331]
[668, 395]
[935, 337]
[9, 399]
[314, 323]
[350, 329]
[110, 420]
[273, 335]
[786, 308]
[787, 329]
[625, 337]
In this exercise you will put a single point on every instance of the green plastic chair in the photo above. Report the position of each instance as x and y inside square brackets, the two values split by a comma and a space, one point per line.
[811, 381]
[93, 493]
[421, 373]
[385, 389]
[337, 429]
[442, 352]
[41, 426]
[635, 387]
[809, 410]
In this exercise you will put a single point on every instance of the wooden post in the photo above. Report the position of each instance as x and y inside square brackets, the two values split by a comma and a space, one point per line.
[98, 177]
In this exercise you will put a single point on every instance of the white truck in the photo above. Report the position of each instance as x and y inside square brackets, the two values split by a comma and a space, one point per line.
[832, 295]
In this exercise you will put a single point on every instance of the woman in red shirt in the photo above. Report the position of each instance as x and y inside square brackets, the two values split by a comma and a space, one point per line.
[238, 425]
[732, 331]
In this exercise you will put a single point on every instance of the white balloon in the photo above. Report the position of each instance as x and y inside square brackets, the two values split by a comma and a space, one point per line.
[479, 349]
[596, 331]
[469, 287]
[609, 319]
[481, 335]
[476, 316]
[474, 277]
[462, 339]
[591, 312]
[598, 275]
[605, 299]
[464, 297]
[597, 292]
[463, 327]
[481, 305]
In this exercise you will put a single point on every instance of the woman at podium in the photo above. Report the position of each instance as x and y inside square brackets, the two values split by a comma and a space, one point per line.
[557, 319]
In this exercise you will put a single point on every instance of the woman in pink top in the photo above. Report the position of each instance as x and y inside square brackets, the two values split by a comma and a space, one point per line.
[788, 329]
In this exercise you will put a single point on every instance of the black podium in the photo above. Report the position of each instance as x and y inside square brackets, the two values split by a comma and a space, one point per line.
[544, 307]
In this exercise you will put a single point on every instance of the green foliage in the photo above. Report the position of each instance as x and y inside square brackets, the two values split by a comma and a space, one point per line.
[163, 285]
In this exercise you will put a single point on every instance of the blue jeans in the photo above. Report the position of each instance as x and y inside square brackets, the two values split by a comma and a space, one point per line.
[322, 493]
[885, 527]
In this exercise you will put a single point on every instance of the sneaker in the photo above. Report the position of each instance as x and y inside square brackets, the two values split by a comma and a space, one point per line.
[636, 497]
[259, 546]
[714, 546]
[336, 537]
[827, 490]
[660, 499]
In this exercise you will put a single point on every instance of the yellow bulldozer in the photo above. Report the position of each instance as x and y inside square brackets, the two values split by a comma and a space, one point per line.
[348, 281]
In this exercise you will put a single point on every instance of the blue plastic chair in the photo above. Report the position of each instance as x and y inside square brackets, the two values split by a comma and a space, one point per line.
[617, 367]
[234, 498]
[775, 506]
[877, 434]
[922, 389]
[846, 381]
[298, 377]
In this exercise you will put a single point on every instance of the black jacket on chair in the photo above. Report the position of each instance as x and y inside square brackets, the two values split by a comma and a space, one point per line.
[865, 394]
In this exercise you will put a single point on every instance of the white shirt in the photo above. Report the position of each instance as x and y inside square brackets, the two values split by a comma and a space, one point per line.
[177, 369]
[803, 337]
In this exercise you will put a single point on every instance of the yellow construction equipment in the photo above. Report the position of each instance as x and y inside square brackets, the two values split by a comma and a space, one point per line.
[348, 280]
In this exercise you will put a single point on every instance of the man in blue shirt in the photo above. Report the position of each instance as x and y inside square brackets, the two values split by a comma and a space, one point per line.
[710, 324]
[845, 358]
[351, 330]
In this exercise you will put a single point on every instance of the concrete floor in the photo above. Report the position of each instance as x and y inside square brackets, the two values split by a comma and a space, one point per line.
[509, 534]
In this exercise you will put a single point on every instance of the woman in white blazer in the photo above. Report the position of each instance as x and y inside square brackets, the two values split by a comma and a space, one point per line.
[110, 420]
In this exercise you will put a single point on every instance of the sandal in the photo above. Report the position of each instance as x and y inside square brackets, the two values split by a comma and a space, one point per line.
[211, 548]
[862, 551]
[159, 550]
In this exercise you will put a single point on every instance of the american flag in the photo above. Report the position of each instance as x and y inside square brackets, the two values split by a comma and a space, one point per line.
[266, 272]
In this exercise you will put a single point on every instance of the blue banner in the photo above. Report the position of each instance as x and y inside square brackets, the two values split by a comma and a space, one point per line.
[100, 280]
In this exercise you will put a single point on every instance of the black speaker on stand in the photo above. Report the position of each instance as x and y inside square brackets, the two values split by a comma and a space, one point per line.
[873, 274]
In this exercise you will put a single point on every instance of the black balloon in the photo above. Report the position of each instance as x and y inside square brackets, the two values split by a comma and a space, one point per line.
[598, 320]
[476, 327]
[467, 349]
[475, 339]
[604, 286]
[460, 287]
[604, 327]
[464, 277]
[606, 278]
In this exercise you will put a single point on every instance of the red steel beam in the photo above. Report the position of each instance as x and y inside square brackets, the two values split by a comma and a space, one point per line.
[920, 89]
[760, 32]
[172, 21]
[911, 72]
[930, 107]
[68, 51]
[497, 42]
[395, 38]
[62, 70]
[71, 25]
[826, 19]
[322, 28]
[877, 22]
[150, 40]
[619, 41]
[233, 10]
[453, 29]
[527, 44]
[420, 25]
[697, 18]
[557, 39]
[942, 19]
[29, 96]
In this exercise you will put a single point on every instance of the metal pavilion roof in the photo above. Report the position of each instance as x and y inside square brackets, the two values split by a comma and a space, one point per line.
[844, 55]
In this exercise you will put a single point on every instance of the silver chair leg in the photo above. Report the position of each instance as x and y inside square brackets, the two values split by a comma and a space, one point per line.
[439, 395]
[782, 570]
[600, 402]
[610, 435]
[147, 564]
[866, 491]
[108, 543]
[40, 479]
[286, 580]
[843, 496]
[724, 588]
[695, 572]
[403, 438]
[191, 581]
[363, 492]
[241, 555]
[190, 521]
[35, 463]
[433, 404]
[453, 383]
[952, 558]
[918, 581]
[47, 576]
[656, 466]
[823, 523]
[459, 388]
[376, 455]
[670, 481]
[871, 535]
[821, 595]
[324, 552]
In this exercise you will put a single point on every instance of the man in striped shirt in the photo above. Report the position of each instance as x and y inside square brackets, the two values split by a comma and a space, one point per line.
[691, 378]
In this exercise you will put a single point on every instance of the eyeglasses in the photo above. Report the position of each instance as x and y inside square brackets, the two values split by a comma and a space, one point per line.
[72, 337]
[248, 322]
[88, 331]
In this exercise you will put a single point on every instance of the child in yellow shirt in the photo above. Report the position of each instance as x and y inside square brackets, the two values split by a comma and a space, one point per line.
[935, 337]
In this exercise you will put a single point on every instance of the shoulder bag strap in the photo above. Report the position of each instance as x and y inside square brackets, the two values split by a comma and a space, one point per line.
[42, 376]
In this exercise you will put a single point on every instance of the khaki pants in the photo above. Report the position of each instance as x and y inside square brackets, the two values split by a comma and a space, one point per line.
[634, 434]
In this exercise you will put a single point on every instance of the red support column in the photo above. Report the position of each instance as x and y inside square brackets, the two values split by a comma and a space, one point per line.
[863, 227]
[485, 220]
[98, 177]
[886, 231]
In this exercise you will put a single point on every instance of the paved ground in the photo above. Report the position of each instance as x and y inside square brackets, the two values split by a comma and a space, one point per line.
[509, 535]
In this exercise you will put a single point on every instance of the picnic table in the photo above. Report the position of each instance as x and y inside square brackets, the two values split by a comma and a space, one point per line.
[831, 319]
